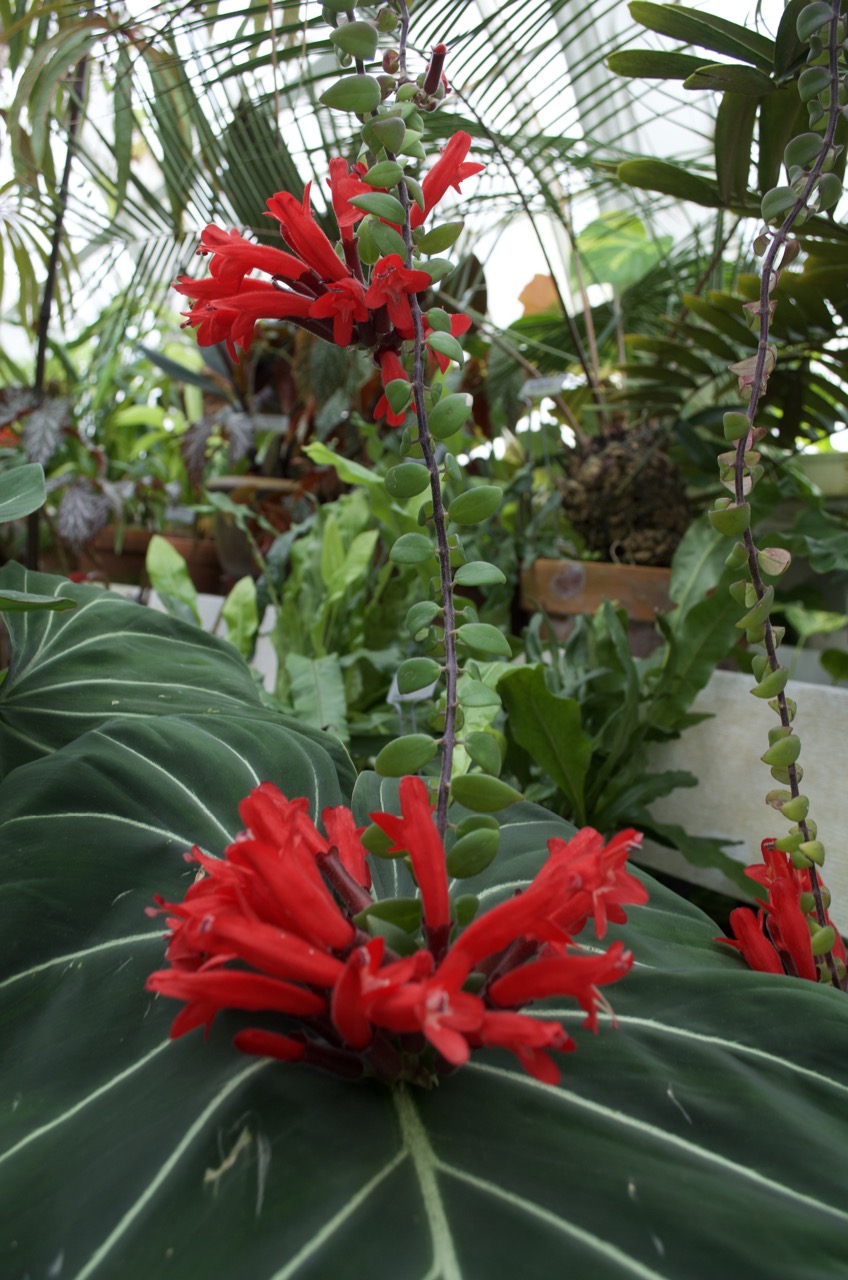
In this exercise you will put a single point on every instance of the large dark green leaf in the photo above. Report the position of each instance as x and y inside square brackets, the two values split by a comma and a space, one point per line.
[549, 727]
[720, 1090]
[21, 491]
[734, 134]
[108, 657]
[111, 659]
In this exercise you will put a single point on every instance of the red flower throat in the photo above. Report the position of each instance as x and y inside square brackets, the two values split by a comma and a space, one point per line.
[274, 927]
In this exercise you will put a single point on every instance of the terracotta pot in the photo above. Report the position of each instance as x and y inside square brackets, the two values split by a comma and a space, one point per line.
[265, 494]
[566, 588]
[127, 564]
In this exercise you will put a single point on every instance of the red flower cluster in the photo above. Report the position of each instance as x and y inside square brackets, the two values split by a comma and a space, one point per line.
[313, 286]
[777, 939]
[272, 928]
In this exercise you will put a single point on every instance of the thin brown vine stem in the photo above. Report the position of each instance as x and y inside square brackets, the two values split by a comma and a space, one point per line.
[778, 242]
[439, 515]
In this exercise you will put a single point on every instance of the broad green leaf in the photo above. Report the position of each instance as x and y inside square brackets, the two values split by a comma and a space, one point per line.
[171, 580]
[717, 1086]
[473, 852]
[332, 552]
[440, 238]
[782, 117]
[241, 617]
[21, 491]
[22, 601]
[484, 750]
[317, 692]
[448, 414]
[110, 658]
[615, 249]
[549, 727]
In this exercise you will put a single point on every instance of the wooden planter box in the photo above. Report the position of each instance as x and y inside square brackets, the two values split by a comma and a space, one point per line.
[127, 565]
[563, 589]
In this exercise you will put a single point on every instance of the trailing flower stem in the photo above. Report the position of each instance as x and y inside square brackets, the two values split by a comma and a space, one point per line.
[439, 515]
[760, 378]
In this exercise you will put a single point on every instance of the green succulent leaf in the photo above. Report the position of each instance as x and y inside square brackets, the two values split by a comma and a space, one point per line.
[482, 637]
[407, 480]
[476, 505]
[357, 93]
[406, 755]
[479, 573]
[381, 204]
[412, 548]
[359, 39]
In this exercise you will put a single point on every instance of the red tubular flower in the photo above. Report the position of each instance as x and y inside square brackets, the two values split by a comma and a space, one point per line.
[581, 878]
[233, 318]
[345, 182]
[778, 939]
[415, 832]
[272, 928]
[269, 1044]
[449, 171]
[343, 832]
[568, 975]
[601, 883]
[391, 285]
[216, 988]
[303, 234]
[750, 940]
[527, 1038]
[392, 370]
[444, 1015]
[787, 926]
[233, 258]
[343, 303]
